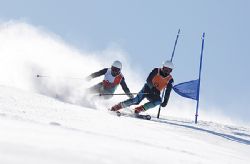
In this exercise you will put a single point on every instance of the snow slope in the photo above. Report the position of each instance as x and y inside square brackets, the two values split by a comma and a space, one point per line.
[46, 120]
[40, 129]
[27, 50]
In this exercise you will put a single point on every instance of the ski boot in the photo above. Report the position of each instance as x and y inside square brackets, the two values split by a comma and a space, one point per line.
[138, 115]
[115, 109]
[139, 109]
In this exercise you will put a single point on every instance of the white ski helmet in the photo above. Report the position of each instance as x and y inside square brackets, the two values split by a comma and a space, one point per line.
[117, 64]
[168, 64]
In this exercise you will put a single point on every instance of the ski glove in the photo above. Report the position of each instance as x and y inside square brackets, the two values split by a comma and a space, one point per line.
[163, 104]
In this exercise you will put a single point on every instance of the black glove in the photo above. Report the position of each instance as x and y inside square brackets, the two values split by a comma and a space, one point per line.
[163, 104]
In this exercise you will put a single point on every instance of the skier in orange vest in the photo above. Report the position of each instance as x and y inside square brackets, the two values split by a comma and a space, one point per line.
[157, 80]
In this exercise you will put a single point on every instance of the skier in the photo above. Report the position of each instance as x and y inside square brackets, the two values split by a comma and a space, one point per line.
[112, 78]
[157, 80]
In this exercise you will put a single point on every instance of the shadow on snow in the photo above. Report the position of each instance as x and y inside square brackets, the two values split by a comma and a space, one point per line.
[223, 135]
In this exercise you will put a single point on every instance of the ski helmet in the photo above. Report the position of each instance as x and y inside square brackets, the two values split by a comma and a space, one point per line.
[168, 64]
[117, 64]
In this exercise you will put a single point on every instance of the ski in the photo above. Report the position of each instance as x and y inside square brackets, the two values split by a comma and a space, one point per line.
[132, 114]
[141, 116]
[145, 117]
[117, 113]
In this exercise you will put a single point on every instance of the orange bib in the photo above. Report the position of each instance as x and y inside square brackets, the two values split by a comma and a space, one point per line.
[161, 82]
[110, 81]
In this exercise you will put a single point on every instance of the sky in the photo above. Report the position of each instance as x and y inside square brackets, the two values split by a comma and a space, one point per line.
[146, 30]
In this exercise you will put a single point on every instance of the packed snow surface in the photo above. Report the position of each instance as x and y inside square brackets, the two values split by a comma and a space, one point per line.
[39, 129]
[51, 120]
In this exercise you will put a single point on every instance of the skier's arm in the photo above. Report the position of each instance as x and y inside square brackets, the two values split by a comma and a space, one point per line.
[167, 93]
[97, 74]
[150, 77]
[125, 88]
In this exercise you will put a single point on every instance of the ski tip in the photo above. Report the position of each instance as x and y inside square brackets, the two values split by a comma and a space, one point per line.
[115, 112]
[148, 117]
[118, 113]
[145, 117]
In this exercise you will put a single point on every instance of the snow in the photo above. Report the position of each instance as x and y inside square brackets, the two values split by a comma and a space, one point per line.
[39, 129]
[49, 120]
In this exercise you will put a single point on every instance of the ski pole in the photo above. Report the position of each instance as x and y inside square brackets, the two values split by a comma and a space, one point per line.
[103, 94]
[44, 76]
[163, 93]
[41, 76]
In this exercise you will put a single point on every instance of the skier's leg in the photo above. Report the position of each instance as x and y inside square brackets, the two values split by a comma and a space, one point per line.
[98, 89]
[95, 89]
[148, 105]
[136, 100]
[107, 93]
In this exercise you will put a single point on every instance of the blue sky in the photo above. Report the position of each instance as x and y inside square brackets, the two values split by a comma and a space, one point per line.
[146, 31]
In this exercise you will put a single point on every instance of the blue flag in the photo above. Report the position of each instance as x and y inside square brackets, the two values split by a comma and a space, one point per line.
[188, 89]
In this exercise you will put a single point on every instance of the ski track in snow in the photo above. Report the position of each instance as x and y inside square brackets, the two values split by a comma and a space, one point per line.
[232, 137]
[33, 126]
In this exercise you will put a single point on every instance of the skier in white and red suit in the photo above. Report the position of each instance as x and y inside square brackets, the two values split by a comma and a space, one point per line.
[112, 78]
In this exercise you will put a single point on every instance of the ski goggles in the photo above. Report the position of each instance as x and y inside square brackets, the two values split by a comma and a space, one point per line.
[115, 70]
[166, 69]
